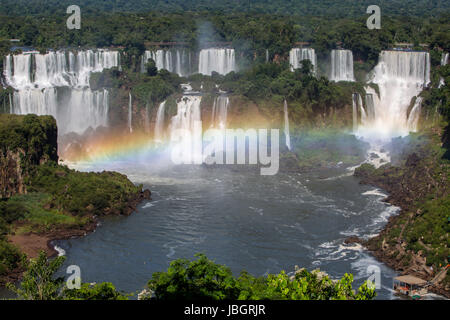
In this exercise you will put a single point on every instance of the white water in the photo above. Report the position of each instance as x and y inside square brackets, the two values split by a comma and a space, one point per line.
[296, 55]
[341, 65]
[159, 125]
[444, 59]
[414, 115]
[286, 126]
[185, 130]
[177, 61]
[355, 111]
[130, 113]
[220, 60]
[400, 76]
[444, 62]
[57, 84]
[219, 112]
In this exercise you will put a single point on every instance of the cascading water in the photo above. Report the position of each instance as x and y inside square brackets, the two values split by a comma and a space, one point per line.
[341, 65]
[444, 62]
[177, 61]
[296, 55]
[444, 59]
[220, 60]
[400, 76]
[130, 114]
[355, 111]
[186, 131]
[159, 126]
[219, 112]
[414, 115]
[370, 104]
[286, 126]
[57, 84]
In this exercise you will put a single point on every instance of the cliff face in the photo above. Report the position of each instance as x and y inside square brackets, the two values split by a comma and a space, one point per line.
[24, 141]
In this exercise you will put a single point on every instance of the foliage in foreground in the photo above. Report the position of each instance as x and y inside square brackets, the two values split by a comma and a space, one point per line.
[204, 279]
[39, 283]
[192, 280]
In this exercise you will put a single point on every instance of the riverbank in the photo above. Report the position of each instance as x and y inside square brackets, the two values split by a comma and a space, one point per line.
[416, 240]
[32, 243]
[42, 201]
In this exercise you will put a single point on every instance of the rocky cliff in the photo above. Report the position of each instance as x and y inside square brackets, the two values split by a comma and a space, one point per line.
[24, 141]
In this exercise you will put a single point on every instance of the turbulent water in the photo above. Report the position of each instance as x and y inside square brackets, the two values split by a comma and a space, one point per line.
[400, 76]
[220, 60]
[57, 84]
[237, 217]
[297, 55]
[342, 65]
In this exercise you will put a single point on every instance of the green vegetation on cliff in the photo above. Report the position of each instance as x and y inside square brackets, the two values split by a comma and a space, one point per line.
[42, 197]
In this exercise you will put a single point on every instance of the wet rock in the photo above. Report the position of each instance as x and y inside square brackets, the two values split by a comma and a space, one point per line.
[352, 239]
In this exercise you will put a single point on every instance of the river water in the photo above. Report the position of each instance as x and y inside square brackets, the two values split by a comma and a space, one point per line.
[263, 224]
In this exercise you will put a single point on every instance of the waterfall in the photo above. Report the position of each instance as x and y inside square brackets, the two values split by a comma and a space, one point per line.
[185, 127]
[296, 55]
[444, 59]
[267, 56]
[159, 126]
[220, 60]
[130, 113]
[286, 126]
[57, 84]
[370, 104]
[342, 65]
[414, 115]
[355, 111]
[400, 75]
[177, 61]
[357, 104]
[219, 112]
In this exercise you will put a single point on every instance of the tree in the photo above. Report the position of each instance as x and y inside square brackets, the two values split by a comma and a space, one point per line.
[101, 291]
[38, 281]
[204, 279]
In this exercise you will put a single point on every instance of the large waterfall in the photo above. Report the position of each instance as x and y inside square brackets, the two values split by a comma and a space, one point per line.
[341, 65]
[178, 61]
[186, 131]
[296, 55]
[57, 84]
[400, 76]
[220, 60]
[219, 112]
